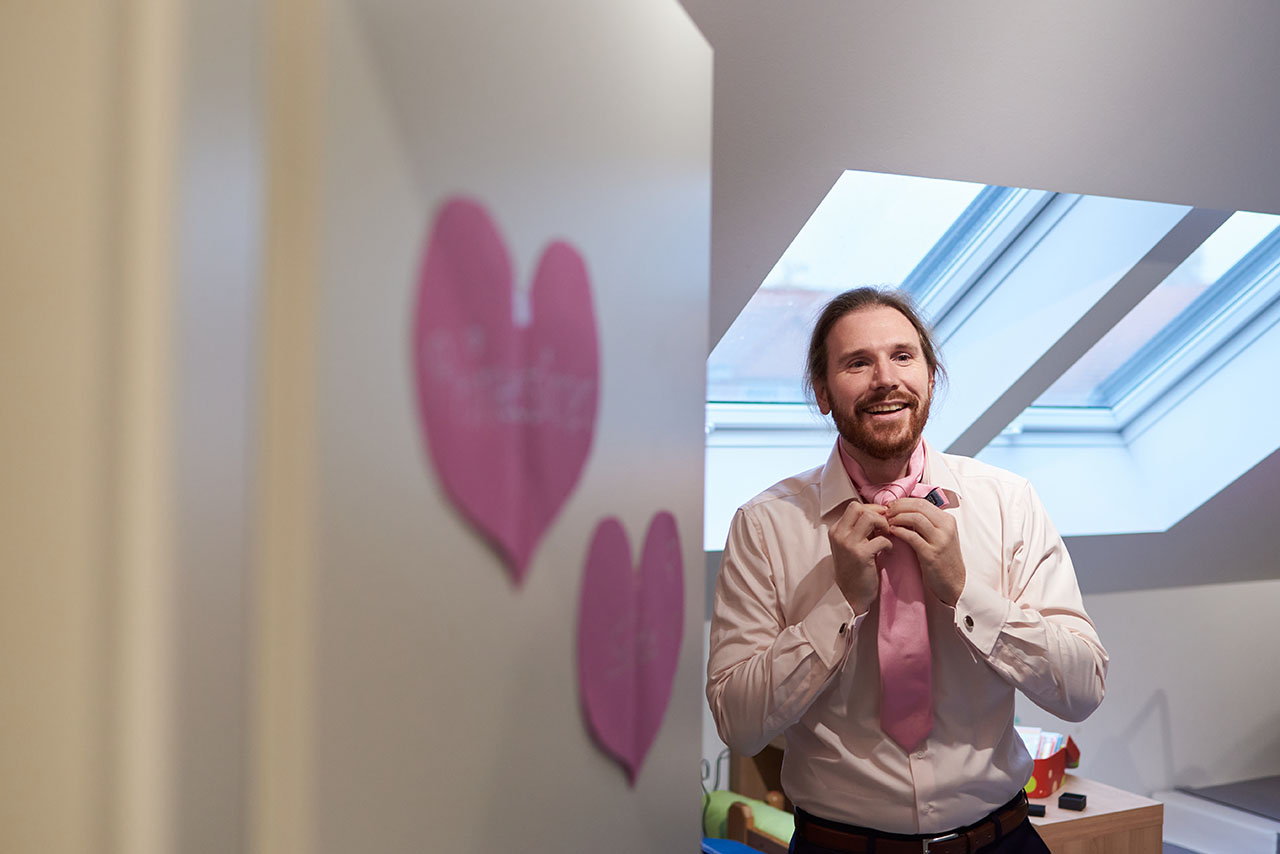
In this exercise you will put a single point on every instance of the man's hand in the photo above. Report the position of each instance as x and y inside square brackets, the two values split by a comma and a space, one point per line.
[931, 532]
[856, 538]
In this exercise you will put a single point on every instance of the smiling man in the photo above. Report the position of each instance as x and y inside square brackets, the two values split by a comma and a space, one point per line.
[881, 610]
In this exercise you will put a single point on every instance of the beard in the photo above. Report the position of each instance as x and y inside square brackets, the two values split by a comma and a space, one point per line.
[881, 442]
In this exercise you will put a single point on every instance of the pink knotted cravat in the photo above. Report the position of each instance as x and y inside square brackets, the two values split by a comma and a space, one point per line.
[906, 685]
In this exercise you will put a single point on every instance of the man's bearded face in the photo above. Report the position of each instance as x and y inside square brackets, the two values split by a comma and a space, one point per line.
[878, 386]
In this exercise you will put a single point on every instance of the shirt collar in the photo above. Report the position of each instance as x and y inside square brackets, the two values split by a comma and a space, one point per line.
[937, 472]
[835, 488]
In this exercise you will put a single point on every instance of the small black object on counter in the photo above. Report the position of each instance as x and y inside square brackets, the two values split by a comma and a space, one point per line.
[1071, 801]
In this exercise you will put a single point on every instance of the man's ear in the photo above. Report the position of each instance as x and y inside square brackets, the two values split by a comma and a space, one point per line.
[820, 394]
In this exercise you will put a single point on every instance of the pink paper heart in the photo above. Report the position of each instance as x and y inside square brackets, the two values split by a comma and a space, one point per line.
[508, 411]
[629, 630]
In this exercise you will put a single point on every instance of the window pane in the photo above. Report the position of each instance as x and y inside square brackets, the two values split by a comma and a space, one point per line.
[871, 229]
[1083, 383]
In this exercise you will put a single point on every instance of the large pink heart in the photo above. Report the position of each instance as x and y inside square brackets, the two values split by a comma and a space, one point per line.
[629, 629]
[509, 411]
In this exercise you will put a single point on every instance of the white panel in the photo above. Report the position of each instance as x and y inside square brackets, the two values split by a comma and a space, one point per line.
[449, 715]
[1211, 828]
[1224, 422]
[1088, 490]
[215, 320]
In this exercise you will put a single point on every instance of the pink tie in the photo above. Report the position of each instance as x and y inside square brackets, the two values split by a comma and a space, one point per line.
[906, 702]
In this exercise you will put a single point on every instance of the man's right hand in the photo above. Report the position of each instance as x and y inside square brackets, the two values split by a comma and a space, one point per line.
[856, 538]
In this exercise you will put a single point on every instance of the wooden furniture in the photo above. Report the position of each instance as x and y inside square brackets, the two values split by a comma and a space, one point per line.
[1113, 821]
[740, 827]
[757, 776]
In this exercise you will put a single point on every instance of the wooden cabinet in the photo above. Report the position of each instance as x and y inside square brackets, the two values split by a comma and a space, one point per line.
[1113, 822]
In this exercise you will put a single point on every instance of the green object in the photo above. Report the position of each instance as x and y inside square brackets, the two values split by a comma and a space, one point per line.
[771, 820]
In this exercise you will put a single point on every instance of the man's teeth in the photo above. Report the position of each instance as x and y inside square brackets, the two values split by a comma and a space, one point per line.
[886, 407]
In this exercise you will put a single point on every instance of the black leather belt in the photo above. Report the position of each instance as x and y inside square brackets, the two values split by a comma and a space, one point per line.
[965, 840]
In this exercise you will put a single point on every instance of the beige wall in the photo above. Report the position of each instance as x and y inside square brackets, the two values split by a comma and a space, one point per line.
[128, 267]
[55, 257]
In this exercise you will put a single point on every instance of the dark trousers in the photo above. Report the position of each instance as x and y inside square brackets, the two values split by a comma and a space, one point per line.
[1023, 839]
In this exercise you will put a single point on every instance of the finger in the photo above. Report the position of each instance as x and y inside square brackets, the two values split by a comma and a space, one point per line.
[918, 522]
[879, 544]
[910, 537]
[868, 522]
[915, 505]
[867, 514]
[858, 508]
[858, 540]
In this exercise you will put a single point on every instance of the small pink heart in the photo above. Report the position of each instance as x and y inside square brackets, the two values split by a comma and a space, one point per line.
[509, 412]
[629, 629]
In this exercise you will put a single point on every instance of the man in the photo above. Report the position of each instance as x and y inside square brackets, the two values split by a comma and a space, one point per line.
[881, 610]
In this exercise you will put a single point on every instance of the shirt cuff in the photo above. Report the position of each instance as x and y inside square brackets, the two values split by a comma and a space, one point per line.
[980, 616]
[830, 627]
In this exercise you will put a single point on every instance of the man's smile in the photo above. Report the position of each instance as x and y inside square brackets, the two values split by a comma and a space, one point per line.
[886, 409]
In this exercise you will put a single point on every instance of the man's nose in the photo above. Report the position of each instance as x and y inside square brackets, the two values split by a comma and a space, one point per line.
[882, 374]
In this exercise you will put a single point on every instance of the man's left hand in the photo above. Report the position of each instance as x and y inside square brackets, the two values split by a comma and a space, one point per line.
[931, 532]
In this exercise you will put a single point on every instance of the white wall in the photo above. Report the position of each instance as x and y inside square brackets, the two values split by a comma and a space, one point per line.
[1161, 101]
[447, 715]
[215, 323]
[1191, 695]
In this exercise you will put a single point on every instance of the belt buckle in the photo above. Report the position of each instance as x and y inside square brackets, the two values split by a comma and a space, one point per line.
[926, 843]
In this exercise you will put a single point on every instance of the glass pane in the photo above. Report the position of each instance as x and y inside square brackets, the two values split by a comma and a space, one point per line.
[1082, 384]
[871, 229]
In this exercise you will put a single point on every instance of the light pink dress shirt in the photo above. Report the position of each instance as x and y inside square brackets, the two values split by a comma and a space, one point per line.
[788, 654]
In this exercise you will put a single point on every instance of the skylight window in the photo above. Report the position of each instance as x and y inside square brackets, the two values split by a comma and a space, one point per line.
[871, 229]
[1086, 338]
[1099, 378]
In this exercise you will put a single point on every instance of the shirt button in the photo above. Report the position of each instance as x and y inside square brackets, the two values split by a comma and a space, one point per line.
[843, 626]
[968, 622]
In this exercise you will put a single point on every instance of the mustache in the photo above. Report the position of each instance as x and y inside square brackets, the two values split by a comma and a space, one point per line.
[908, 399]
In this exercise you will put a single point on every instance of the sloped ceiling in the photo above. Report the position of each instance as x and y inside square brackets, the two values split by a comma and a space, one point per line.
[1144, 100]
